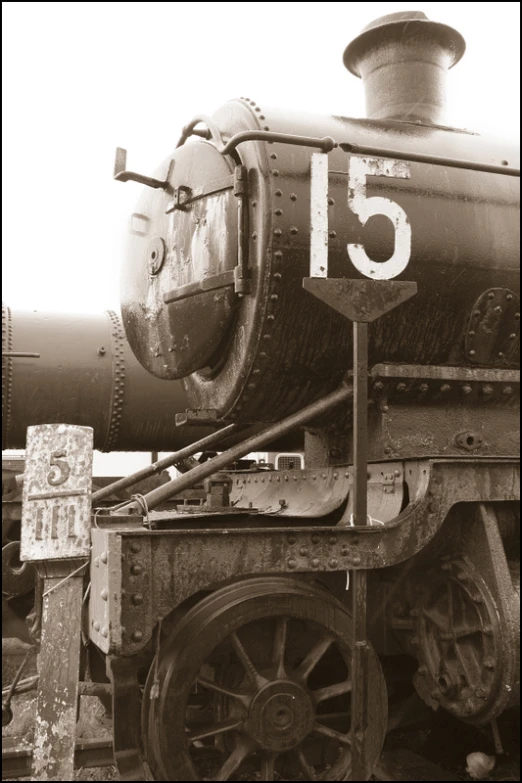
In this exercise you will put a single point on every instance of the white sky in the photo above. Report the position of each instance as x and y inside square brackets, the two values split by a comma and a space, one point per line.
[80, 79]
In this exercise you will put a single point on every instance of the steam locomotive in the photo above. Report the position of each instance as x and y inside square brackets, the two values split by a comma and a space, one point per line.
[247, 634]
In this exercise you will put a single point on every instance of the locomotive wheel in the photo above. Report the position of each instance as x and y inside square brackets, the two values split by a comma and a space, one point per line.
[254, 683]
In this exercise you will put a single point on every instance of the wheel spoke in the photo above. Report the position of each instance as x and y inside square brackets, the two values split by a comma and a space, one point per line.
[343, 739]
[233, 762]
[268, 766]
[213, 729]
[304, 766]
[246, 662]
[217, 688]
[314, 656]
[331, 691]
[278, 655]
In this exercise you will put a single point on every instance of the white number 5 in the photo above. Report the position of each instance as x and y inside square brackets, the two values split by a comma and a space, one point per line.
[365, 208]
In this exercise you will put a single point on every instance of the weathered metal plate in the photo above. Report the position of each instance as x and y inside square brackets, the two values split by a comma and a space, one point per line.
[360, 300]
[106, 597]
[56, 505]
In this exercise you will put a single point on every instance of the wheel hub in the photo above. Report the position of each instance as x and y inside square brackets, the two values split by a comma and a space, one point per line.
[280, 716]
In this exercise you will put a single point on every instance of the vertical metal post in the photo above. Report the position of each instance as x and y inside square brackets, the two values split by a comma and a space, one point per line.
[358, 578]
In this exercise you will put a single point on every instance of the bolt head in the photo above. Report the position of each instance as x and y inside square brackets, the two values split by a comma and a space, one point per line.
[137, 636]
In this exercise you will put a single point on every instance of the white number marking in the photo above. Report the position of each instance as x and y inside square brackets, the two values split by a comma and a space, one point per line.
[365, 208]
[319, 215]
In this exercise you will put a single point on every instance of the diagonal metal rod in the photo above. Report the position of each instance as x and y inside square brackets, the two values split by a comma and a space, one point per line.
[222, 461]
[167, 462]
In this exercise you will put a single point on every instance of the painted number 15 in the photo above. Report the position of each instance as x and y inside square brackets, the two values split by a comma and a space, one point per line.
[365, 208]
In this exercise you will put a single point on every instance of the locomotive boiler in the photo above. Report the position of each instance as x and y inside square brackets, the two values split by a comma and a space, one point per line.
[247, 635]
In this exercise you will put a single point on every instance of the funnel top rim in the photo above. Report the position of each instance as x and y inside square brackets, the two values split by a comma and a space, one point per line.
[396, 26]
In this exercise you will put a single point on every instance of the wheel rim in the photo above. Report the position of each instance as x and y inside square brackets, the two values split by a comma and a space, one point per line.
[256, 680]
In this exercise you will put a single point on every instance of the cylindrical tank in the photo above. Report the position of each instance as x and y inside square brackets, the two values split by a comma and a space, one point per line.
[262, 355]
[86, 374]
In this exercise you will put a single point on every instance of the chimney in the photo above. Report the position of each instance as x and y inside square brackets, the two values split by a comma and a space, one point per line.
[403, 60]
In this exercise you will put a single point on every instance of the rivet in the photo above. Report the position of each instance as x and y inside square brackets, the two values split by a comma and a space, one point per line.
[345, 551]
[254, 203]
[136, 569]
[262, 117]
[472, 352]
[103, 557]
[423, 670]
[263, 355]
[477, 314]
[293, 197]
[356, 559]
[401, 387]
[257, 108]
[275, 173]
[266, 337]
[445, 388]
[278, 193]
[303, 551]
[491, 295]
[378, 385]
[273, 155]
[104, 595]
[471, 333]
[104, 632]
[507, 391]
[294, 230]
[278, 212]
[277, 276]
[466, 389]
[517, 316]
[387, 449]
[137, 636]
[137, 599]
[291, 538]
[509, 297]
[315, 538]
[512, 336]
[487, 390]
[314, 562]
[256, 372]
[331, 202]
[96, 562]
[423, 388]
[332, 540]
[270, 318]
[397, 473]
[278, 254]
[445, 566]
[498, 309]
[254, 235]
[292, 563]
[333, 563]
[385, 408]
[96, 626]
[332, 234]
[251, 386]
[489, 663]
[265, 127]
[274, 297]
[277, 232]
[500, 355]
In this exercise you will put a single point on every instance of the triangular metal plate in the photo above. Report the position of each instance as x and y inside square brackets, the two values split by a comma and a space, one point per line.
[360, 300]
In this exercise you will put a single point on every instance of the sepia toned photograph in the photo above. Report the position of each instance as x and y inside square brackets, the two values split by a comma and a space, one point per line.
[261, 391]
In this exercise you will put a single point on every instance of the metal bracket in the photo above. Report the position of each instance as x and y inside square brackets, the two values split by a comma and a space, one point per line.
[122, 175]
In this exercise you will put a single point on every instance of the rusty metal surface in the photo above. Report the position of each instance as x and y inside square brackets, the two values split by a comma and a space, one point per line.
[360, 300]
[468, 622]
[56, 501]
[86, 375]
[167, 566]
[493, 335]
[273, 432]
[285, 350]
[17, 760]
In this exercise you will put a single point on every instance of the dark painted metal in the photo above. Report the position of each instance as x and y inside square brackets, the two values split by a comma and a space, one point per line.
[279, 350]
[156, 467]
[122, 175]
[126, 733]
[223, 460]
[403, 59]
[85, 374]
[171, 568]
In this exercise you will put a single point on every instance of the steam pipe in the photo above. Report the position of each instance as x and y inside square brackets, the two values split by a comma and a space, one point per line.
[270, 433]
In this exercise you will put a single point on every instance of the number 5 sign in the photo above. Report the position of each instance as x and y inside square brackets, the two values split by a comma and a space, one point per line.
[56, 502]
[365, 208]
